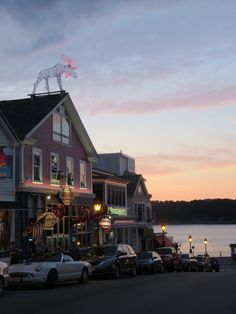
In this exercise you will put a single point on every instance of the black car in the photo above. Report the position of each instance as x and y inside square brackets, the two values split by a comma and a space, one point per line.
[185, 261]
[114, 260]
[203, 264]
[149, 262]
[214, 264]
[167, 254]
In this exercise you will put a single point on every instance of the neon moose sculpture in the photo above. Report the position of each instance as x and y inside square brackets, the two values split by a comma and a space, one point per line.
[56, 71]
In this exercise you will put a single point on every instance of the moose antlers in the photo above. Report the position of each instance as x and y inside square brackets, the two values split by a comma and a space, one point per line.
[71, 63]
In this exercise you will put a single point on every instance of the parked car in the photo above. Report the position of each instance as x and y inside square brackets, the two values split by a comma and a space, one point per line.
[193, 264]
[177, 263]
[149, 262]
[48, 270]
[114, 260]
[4, 276]
[5, 257]
[185, 261]
[203, 264]
[166, 254]
[214, 264]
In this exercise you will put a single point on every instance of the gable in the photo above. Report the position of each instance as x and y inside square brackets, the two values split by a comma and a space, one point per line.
[76, 124]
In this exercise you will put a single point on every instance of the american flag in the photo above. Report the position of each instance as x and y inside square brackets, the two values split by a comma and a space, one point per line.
[37, 231]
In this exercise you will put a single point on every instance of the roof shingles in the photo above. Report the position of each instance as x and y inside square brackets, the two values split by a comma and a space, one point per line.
[24, 114]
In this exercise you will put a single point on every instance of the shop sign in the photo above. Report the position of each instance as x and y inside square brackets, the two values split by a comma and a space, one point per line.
[66, 195]
[5, 165]
[49, 220]
[105, 223]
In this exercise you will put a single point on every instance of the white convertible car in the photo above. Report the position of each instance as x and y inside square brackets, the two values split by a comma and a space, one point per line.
[4, 276]
[48, 270]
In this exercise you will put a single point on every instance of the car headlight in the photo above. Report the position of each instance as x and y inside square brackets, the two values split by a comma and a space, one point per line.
[38, 268]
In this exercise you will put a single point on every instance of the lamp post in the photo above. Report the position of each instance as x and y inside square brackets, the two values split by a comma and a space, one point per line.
[163, 228]
[205, 243]
[97, 207]
[190, 239]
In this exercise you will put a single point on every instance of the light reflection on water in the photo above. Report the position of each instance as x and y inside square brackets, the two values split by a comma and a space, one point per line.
[219, 237]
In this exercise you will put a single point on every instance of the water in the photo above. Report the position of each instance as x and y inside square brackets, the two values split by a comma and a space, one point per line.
[218, 236]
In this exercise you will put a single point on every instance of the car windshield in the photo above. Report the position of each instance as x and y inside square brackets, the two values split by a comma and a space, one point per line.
[104, 250]
[54, 257]
[165, 250]
[145, 255]
[184, 255]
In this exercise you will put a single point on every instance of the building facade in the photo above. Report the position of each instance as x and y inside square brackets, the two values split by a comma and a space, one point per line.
[139, 211]
[52, 151]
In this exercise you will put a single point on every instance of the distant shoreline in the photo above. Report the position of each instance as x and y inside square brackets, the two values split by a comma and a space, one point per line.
[194, 223]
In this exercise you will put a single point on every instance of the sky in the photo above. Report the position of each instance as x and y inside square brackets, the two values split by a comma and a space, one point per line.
[156, 79]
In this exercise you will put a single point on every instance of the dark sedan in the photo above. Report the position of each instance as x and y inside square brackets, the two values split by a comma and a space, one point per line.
[149, 262]
[114, 260]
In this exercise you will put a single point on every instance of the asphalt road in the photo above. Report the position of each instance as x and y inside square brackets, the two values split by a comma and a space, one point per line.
[160, 293]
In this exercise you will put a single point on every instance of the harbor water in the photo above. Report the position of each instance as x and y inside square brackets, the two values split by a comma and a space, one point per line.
[219, 237]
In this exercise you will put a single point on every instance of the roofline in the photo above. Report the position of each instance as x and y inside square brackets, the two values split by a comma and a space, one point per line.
[9, 128]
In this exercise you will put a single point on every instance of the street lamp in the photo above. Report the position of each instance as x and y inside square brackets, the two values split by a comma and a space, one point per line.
[97, 207]
[190, 239]
[163, 228]
[205, 242]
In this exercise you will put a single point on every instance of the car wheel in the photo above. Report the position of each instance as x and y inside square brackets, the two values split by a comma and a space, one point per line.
[52, 278]
[1, 286]
[134, 271]
[84, 276]
[117, 272]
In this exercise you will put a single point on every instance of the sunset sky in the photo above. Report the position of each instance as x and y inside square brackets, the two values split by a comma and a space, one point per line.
[157, 80]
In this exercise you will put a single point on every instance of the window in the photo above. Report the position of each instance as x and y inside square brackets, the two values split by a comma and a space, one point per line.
[139, 212]
[115, 195]
[54, 169]
[37, 165]
[69, 171]
[61, 126]
[82, 174]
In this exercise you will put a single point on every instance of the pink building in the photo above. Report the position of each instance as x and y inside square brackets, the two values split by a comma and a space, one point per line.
[51, 150]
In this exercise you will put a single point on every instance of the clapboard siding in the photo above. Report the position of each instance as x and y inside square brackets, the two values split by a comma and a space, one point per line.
[44, 141]
[7, 185]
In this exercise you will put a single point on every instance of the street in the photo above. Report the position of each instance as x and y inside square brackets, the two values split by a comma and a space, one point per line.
[168, 293]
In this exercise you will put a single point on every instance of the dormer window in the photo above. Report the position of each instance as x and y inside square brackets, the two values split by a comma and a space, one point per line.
[61, 126]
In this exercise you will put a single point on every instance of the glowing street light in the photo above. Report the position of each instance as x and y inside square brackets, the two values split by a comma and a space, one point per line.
[190, 239]
[205, 243]
[97, 208]
[163, 228]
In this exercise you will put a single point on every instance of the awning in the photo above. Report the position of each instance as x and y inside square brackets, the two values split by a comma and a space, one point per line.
[12, 205]
[158, 239]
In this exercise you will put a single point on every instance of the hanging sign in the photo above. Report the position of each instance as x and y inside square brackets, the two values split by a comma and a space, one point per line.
[66, 195]
[49, 220]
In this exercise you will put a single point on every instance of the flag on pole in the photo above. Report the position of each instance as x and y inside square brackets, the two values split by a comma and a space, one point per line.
[37, 231]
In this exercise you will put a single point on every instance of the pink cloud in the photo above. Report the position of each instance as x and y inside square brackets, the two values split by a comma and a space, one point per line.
[193, 98]
[166, 164]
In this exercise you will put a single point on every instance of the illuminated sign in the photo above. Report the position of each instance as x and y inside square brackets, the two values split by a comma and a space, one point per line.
[49, 220]
[66, 195]
[117, 211]
[5, 164]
